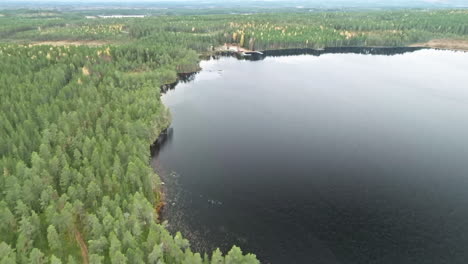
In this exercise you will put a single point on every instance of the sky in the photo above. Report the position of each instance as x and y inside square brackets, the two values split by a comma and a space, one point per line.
[251, 1]
[307, 3]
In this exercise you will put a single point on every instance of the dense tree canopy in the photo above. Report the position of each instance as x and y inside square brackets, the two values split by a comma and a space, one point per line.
[76, 125]
[254, 31]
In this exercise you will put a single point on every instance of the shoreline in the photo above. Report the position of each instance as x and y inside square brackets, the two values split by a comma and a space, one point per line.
[232, 49]
[443, 44]
[160, 194]
[372, 50]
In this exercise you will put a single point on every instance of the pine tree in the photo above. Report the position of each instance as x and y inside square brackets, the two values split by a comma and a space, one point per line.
[53, 239]
[36, 257]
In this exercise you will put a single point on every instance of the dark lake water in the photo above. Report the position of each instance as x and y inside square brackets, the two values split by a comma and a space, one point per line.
[337, 158]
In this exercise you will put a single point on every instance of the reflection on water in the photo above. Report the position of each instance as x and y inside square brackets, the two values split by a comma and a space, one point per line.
[164, 137]
[387, 51]
[181, 78]
[338, 158]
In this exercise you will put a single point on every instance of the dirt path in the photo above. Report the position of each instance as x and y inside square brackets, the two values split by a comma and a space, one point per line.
[83, 247]
[451, 44]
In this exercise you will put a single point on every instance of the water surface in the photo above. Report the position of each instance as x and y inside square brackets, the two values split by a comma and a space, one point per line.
[341, 158]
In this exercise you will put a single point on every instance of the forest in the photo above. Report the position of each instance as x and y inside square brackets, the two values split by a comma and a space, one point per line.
[76, 126]
[77, 121]
[253, 31]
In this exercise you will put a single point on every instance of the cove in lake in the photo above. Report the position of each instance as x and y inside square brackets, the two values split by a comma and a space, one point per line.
[337, 158]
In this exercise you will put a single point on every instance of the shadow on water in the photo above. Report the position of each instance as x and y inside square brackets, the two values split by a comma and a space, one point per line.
[164, 138]
[173, 214]
[386, 51]
[181, 78]
[166, 134]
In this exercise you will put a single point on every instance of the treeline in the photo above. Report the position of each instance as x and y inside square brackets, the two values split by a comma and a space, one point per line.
[76, 126]
[306, 30]
[337, 29]
[254, 31]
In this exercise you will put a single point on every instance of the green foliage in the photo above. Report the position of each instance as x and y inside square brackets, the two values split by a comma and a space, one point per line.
[55, 260]
[336, 29]
[235, 256]
[255, 31]
[7, 254]
[78, 122]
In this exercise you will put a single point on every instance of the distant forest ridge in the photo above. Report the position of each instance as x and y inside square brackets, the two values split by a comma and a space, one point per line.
[236, 4]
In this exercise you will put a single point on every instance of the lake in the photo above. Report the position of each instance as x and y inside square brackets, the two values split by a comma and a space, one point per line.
[337, 158]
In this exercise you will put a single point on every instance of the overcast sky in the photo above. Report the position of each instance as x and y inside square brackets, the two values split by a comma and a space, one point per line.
[311, 1]
[454, 3]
